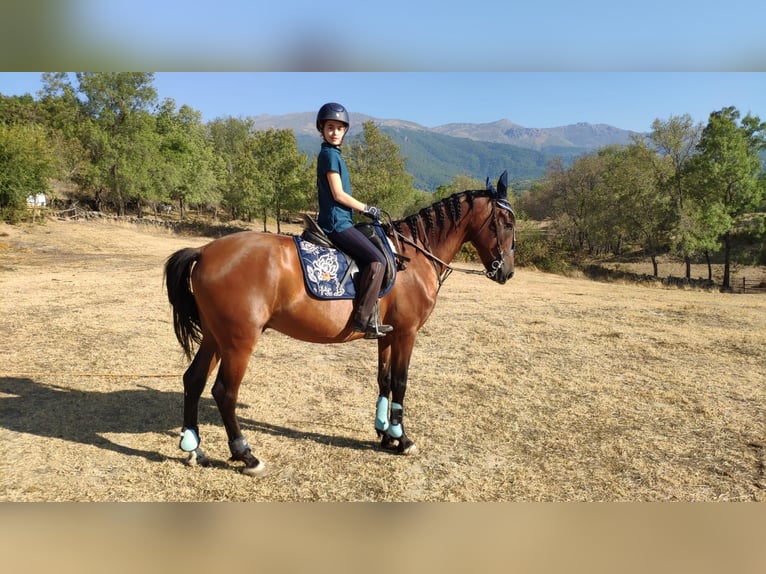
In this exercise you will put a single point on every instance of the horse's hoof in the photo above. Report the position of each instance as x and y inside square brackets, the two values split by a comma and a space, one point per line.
[408, 449]
[388, 443]
[256, 471]
[197, 458]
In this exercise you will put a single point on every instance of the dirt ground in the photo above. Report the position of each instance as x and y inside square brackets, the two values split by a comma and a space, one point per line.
[545, 389]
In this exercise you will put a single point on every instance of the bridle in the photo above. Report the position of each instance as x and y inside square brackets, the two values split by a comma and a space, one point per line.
[499, 261]
[446, 268]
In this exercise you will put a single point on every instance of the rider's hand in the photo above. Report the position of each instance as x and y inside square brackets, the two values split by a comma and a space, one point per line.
[372, 212]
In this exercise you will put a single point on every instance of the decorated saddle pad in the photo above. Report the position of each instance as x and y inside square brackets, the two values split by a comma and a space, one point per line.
[331, 274]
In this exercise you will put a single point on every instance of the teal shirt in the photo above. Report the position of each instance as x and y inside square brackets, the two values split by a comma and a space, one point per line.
[333, 217]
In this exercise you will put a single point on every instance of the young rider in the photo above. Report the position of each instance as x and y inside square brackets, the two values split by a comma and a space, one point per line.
[336, 206]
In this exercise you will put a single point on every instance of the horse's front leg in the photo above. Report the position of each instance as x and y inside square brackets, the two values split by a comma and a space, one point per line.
[383, 404]
[195, 379]
[393, 370]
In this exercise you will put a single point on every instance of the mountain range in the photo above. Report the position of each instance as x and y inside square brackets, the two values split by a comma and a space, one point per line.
[435, 155]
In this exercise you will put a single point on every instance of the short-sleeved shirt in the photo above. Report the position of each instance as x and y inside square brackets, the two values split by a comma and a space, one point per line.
[333, 217]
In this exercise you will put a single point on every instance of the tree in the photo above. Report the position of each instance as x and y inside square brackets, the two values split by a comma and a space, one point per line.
[458, 183]
[19, 110]
[119, 135]
[639, 212]
[676, 139]
[188, 171]
[282, 174]
[378, 171]
[231, 139]
[578, 197]
[25, 167]
[728, 175]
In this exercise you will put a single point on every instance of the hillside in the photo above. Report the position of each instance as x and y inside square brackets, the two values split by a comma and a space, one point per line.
[436, 155]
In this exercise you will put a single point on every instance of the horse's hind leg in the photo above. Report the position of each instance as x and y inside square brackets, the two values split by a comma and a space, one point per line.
[195, 378]
[225, 391]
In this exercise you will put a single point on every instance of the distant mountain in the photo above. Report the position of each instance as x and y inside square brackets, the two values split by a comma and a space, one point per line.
[436, 155]
[581, 135]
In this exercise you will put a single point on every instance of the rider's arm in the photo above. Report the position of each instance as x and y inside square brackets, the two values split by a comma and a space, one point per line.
[336, 187]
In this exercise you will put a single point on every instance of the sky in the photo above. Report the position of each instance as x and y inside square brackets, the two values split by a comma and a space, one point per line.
[481, 35]
[627, 100]
[397, 35]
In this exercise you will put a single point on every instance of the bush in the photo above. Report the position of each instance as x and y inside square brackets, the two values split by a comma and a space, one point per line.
[539, 249]
[26, 165]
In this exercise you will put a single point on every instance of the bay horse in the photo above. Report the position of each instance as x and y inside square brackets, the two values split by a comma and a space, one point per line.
[226, 293]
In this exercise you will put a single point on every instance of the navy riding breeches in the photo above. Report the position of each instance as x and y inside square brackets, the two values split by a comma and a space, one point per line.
[361, 249]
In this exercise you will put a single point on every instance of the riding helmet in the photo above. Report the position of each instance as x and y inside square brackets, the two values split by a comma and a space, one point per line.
[332, 111]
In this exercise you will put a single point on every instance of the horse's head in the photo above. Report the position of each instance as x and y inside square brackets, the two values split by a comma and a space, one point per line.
[495, 240]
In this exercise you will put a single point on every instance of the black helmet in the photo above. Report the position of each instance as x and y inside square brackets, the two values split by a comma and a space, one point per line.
[332, 111]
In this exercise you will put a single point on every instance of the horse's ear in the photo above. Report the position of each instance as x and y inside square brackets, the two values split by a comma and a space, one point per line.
[490, 187]
[502, 185]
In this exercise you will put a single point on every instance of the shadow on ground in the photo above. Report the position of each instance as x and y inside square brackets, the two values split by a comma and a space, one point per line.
[51, 411]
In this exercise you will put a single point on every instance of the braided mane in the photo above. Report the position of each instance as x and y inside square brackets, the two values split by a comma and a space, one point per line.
[437, 216]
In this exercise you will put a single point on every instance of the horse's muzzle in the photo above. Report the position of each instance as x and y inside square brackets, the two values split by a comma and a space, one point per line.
[501, 278]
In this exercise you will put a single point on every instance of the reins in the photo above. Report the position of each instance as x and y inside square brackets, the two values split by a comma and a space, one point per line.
[447, 268]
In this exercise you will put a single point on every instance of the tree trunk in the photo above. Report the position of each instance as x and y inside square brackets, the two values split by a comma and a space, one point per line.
[655, 266]
[117, 194]
[688, 262]
[726, 284]
[709, 266]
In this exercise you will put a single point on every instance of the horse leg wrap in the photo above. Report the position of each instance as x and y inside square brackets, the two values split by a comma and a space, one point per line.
[189, 439]
[397, 413]
[239, 446]
[381, 414]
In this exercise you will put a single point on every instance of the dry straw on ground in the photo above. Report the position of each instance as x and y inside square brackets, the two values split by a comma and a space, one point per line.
[547, 389]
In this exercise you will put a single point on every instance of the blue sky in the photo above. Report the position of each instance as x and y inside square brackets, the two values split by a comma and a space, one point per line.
[397, 35]
[536, 100]
[431, 35]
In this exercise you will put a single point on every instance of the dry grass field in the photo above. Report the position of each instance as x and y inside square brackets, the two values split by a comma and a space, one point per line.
[545, 389]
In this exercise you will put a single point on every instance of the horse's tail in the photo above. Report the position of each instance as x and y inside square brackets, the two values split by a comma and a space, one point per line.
[186, 321]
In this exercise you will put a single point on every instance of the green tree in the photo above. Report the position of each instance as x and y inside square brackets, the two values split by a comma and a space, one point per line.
[188, 171]
[232, 143]
[378, 171]
[578, 197]
[282, 174]
[460, 182]
[64, 117]
[676, 139]
[539, 203]
[119, 134]
[19, 110]
[26, 165]
[728, 175]
[639, 212]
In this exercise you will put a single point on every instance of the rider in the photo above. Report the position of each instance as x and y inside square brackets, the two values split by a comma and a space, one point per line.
[336, 206]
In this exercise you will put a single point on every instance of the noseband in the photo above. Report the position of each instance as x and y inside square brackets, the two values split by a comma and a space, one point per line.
[499, 261]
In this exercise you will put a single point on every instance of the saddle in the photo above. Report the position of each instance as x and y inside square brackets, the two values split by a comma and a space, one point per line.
[328, 271]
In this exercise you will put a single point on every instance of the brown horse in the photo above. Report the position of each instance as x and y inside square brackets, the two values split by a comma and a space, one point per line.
[229, 291]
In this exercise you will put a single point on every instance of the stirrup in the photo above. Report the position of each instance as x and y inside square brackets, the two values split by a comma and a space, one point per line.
[375, 330]
[372, 329]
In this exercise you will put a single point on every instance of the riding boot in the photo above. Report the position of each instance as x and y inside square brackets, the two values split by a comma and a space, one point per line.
[365, 318]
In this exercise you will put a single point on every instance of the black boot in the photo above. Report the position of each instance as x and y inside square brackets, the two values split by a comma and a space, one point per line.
[374, 328]
[365, 318]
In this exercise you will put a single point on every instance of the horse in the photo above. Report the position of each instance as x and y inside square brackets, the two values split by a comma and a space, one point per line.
[226, 293]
